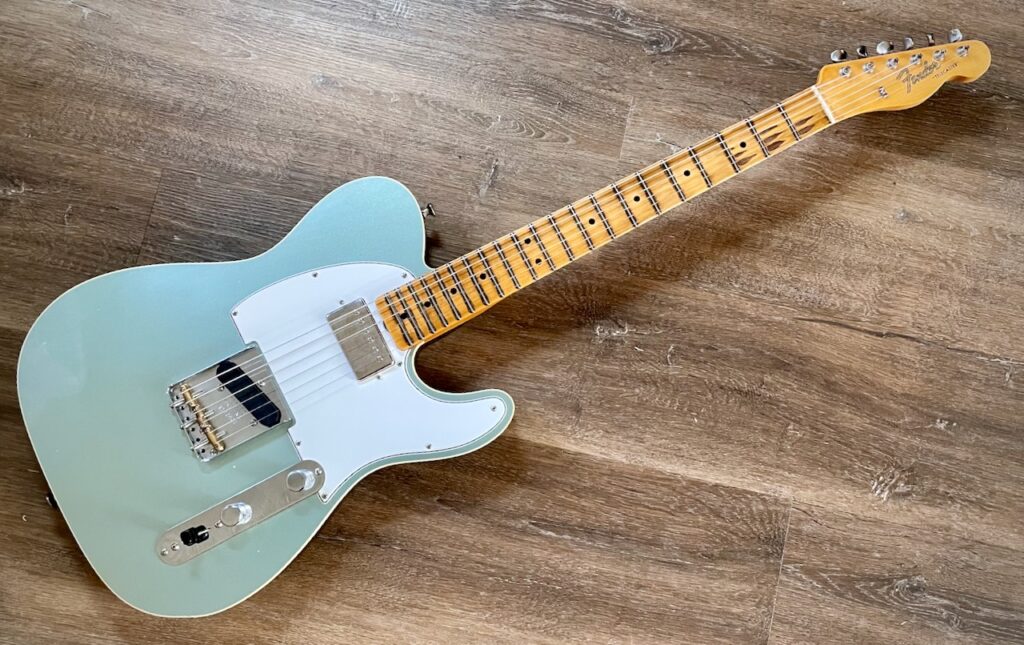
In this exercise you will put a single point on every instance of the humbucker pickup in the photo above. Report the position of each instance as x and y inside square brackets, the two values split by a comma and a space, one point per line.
[228, 403]
[360, 339]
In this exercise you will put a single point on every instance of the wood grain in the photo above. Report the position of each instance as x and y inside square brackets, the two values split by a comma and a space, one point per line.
[790, 412]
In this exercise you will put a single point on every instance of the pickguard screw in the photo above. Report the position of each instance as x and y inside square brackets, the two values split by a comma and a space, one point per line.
[405, 275]
[315, 274]
[428, 446]
[163, 551]
[494, 408]
[319, 471]
[234, 313]
[175, 547]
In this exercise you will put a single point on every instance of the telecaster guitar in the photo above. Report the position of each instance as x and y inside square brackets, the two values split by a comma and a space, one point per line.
[197, 423]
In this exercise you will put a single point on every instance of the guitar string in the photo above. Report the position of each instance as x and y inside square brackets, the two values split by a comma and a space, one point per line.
[800, 99]
[335, 329]
[365, 316]
[292, 377]
[519, 264]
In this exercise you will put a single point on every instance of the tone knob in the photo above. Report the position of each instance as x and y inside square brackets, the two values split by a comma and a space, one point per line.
[235, 514]
[301, 479]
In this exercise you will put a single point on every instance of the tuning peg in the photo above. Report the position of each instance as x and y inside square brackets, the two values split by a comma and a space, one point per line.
[908, 42]
[838, 55]
[930, 38]
[884, 47]
[862, 51]
[955, 35]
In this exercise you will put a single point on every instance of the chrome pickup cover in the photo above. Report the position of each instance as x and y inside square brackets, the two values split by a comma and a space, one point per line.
[360, 339]
[227, 404]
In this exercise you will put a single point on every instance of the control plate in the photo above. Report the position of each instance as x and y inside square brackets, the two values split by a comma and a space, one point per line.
[220, 522]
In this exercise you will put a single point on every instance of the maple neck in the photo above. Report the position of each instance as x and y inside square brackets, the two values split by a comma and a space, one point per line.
[448, 296]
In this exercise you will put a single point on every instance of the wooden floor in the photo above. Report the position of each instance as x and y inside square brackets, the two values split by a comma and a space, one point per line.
[791, 412]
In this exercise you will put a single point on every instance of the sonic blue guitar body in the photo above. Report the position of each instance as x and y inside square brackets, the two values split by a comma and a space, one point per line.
[95, 381]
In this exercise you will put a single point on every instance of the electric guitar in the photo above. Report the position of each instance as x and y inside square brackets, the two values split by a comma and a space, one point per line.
[198, 423]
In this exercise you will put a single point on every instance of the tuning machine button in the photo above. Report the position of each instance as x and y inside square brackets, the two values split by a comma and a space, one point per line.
[908, 42]
[862, 51]
[955, 35]
[930, 38]
[838, 55]
[235, 514]
[884, 47]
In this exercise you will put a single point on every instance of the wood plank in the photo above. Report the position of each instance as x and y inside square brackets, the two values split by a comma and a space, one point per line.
[872, 581]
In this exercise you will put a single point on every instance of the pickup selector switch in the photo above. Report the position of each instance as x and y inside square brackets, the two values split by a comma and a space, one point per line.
[235, 514]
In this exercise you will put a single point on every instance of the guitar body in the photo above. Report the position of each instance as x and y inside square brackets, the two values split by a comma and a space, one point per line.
[94, 377]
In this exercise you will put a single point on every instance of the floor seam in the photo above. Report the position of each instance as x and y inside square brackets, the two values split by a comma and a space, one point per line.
[778, 577]
[149, 217]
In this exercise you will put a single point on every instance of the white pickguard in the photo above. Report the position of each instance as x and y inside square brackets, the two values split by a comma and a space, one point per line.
[342, 423]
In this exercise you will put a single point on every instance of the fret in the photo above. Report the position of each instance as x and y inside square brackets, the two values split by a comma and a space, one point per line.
[508, 267]
[408, 315]
[420, 307]
[543, 249]
[604, 220]
[397, 319]
[429, 302]
[583, 230]
[672, 180]
[700, 166]
[785, 115]
[757, 137]
[625, 206]
[490, 272]
[649, 194]
[728, 152]
[460, 289]
[414, 312]
[526, 258]
[476, 283]
[561, 238]
[447, 296]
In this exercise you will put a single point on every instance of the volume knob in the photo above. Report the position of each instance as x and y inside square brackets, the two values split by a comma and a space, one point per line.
[301, 479]
[235, 514]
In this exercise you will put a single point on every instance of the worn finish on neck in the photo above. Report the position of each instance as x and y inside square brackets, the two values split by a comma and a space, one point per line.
[427, 307]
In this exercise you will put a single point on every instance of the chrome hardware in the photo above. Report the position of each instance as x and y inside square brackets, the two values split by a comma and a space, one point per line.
[428, 211]
[844, 70]
[228, 403]
[862, 51]
[300, 480]
[955, 35]
[939, 54]
[915, 59]
[931, 39]
[868, 67]
[883, 93]
[962, 50]
[360, 339]
[892, 63]
[235, 514]
[884, 47]
[838, 55]
[221, 522]
[908, 42]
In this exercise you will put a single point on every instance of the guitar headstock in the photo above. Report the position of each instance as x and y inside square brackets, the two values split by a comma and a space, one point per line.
[896, 80]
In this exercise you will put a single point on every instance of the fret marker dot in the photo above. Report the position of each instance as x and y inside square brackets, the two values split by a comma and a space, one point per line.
[426, 304]
[686, 173]
[537, 261]
[591, 221]
[636, 198]
[526, 241]
[404, 315]
[743, 144]
[453, 290]
[483, 276]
